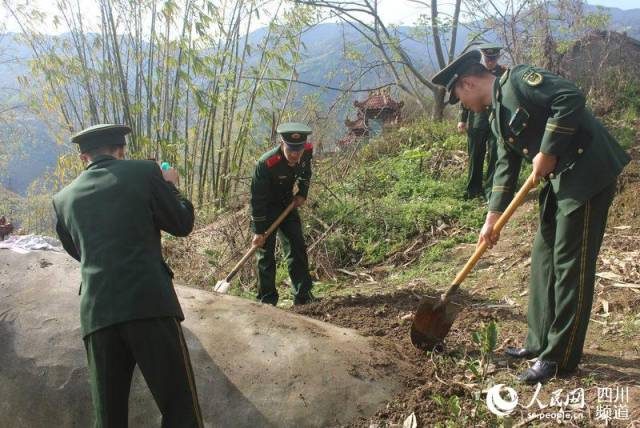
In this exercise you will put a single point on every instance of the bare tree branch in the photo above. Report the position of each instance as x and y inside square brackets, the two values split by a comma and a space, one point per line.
[454, 30]
[364, 18]
[316, 85]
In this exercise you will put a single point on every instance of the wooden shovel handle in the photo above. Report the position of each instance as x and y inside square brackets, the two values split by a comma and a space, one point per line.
[254, 248]
[504, 217]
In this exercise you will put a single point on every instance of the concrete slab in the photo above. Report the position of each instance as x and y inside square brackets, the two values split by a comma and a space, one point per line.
[255, 365]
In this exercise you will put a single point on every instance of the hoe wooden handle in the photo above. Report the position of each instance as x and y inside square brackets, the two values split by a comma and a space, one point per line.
[254, 248]
[504, 217]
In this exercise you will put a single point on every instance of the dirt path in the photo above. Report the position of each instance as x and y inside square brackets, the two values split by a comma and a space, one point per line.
[442, 389]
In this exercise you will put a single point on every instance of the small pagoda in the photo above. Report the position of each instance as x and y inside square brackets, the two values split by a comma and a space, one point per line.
[375, 113]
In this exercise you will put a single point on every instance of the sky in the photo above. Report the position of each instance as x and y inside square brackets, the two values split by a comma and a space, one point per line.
[392, 11]
[402, 12]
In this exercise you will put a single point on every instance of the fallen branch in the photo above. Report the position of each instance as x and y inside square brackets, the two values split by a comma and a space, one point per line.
[625, 285]
[316, 85]
[346, 272]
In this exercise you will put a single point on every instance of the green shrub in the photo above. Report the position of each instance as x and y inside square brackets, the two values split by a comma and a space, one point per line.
[406, 182]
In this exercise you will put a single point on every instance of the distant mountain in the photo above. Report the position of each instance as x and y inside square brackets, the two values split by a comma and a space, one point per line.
[32, 153]
[325, 45]
[7, 195]
[623, 21]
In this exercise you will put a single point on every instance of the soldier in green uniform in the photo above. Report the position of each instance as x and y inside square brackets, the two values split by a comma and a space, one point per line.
[272, 186]
[480, 139]
[109, 219]
[541, 118]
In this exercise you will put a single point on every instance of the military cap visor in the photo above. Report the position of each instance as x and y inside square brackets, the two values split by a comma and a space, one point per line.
[294, 134]
[101, 135]
[490, 50]
[486, 46]
[449, 75]
[295, 147]
[491, 53]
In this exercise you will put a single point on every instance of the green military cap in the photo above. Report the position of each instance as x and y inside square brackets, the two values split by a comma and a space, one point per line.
[105, 134]
[448, 76]
[294, 134]
[490, 50]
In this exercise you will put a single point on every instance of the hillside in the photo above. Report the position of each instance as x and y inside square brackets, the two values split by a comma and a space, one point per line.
[441, 388]
[386, 226]
[9, 202]
[31, 153]
[379, 380]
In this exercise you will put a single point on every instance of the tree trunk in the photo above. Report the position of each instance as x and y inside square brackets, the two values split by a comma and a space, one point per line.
[438, 103]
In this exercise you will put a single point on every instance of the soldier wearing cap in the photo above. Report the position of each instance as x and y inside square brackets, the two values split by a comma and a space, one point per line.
[272, 185]
[541, 118]
[109, 219]
[480, 139]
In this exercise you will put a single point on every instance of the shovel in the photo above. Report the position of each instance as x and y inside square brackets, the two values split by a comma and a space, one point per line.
[223, 285]
[435, 316]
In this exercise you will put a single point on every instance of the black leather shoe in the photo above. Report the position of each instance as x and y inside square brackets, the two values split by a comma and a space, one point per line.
[519, 353]
[541, 371]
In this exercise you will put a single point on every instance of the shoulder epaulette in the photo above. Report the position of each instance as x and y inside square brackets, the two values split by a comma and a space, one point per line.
[308, 147]
[273, 160]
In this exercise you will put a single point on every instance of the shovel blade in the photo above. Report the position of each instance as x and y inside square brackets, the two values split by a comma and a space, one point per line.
[432, 322]
[222, 286]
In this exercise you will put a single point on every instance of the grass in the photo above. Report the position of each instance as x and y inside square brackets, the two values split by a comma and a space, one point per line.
[401, 189]
[625, 134]
[431, 264]
[622, 122]
[631, 326]
[404, 185]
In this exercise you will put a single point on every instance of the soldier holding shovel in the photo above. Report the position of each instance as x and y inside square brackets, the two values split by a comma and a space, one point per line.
[541, 118]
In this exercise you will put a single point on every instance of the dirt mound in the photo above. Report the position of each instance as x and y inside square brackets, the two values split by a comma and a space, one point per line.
[436, 384]
[388, 318]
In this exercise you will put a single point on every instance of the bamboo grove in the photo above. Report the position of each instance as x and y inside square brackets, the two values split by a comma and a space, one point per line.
[183, 74]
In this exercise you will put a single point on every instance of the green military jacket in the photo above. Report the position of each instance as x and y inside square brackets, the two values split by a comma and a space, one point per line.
[479, 120]
[109, 219]
[534, 111]
[272, 185]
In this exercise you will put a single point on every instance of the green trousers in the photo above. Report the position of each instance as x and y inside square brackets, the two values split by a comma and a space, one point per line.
[157, 345]
[563, 267]
[292, 240]
[480, 143]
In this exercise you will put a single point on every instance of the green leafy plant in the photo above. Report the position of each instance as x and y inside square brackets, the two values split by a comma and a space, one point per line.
[452, 408]
[486, 338]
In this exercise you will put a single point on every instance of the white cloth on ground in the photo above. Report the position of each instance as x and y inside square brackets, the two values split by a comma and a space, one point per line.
[24, 244]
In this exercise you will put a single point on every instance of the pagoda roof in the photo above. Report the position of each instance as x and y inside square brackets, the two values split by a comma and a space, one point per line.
[379, 101]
